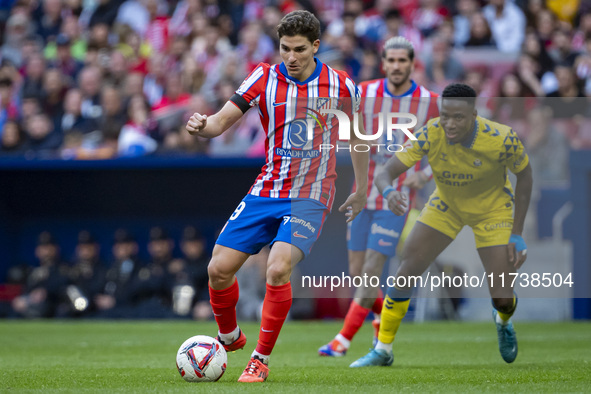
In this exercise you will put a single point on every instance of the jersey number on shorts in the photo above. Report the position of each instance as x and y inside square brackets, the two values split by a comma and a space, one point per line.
[238, 210]
[440, 205]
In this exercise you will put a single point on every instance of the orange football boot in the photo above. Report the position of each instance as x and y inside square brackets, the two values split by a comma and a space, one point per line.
[255, 371]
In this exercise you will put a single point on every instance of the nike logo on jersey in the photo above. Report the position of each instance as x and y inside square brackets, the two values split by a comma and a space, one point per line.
[298, 235]
[278, 104]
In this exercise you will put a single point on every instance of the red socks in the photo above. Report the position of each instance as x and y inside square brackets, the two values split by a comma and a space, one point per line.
[354, 320]
[357, 314]
[275, 309]
[223, 302]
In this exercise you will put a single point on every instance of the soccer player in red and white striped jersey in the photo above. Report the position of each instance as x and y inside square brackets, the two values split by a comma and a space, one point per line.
[287, 173]
[374, 234]
[290, 199]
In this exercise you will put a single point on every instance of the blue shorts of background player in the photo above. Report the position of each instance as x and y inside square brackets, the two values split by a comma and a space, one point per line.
[377, 230]
[258, 221]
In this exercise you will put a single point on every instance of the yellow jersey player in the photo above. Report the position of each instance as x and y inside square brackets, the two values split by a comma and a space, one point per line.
[469, 156]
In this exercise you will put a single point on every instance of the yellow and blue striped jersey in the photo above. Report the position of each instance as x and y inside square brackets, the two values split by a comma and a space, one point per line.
[471, 177]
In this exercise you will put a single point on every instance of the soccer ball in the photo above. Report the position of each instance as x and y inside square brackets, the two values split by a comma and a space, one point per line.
[201, 359]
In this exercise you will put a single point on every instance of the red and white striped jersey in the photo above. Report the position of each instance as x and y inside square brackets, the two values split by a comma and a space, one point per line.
[376, 100]
[296, 167]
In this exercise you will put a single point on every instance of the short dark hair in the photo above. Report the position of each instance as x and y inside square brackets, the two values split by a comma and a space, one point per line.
[393, 14]
[299, 23]
[5, 82]
[563, 64]
[460, 91]
[348, 14]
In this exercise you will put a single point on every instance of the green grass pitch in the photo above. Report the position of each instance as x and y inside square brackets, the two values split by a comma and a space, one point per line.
[97, 356]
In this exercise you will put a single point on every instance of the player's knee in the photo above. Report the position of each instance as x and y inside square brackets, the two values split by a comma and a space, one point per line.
[410, 254]
[354, 270]
[405, 272]
[374, 264]
[216, 272]
[504, 305]
[278, 273]
[412, 265]
[356, 260]
[365, 302]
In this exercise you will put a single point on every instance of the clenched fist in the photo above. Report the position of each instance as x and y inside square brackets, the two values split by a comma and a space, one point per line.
[196, 123]
[397, 202]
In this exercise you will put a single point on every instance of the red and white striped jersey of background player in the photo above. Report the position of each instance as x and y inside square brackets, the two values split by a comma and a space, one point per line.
[296, 167]
[377, 100]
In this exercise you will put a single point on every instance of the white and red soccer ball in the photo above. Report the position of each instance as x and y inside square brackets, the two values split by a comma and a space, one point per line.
[201, 359]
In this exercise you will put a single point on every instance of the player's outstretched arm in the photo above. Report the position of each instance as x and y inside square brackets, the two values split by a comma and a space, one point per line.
[212, 126]
[385, 175]
[419, 179]
[356, 201]
[517, 249]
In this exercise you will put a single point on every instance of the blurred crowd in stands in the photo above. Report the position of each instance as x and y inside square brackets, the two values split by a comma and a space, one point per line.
[125, 287]
[99, 79]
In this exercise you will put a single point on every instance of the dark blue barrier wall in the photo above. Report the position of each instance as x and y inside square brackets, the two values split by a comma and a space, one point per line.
[67, 196]
[580, 165]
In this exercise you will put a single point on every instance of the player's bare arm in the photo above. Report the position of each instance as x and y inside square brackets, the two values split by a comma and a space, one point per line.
[356, 201]
[416, 180]
[523, 189]
[215, 125]
[385, 175]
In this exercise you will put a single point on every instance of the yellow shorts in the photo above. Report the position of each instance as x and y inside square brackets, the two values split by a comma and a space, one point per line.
[490, 229]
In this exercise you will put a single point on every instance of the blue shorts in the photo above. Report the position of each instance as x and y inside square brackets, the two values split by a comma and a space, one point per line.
[258, 221]
[377, 230]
